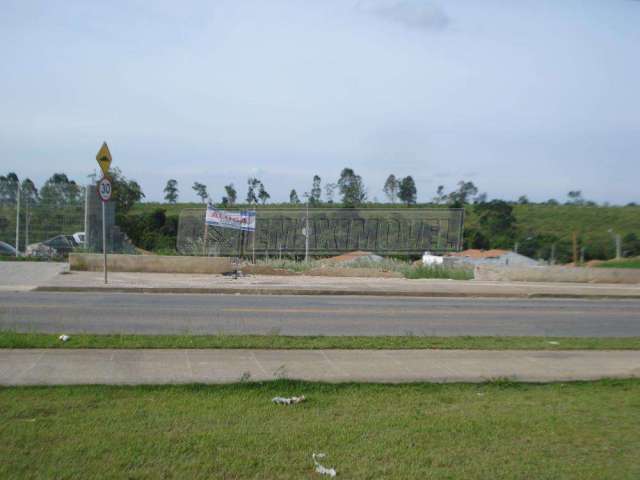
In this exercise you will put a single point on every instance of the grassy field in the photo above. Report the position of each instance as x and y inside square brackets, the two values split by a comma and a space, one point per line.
[624, 263]
[10, 339]
[497, 430]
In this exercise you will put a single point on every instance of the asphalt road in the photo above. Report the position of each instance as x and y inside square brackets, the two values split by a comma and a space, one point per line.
[314, 315]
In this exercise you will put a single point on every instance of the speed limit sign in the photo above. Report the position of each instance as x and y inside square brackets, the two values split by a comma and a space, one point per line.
[104, 189]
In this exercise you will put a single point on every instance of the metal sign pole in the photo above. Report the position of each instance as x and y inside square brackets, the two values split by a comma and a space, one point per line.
[104, 239]
[104, 192]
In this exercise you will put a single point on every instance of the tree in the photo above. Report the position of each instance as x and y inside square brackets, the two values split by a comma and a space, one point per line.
[391, 187]
[9, 188]
[630, 245]
[523, 200]
[29, 191]
[171, 191]
[201, 191]
[262, 194]
[293, 197]
[316, 191]
[460, 197]
[575, 198]
[497, 223]
[440, 197]
[126, 193]
[480, 198]
[29, 194]
[351, 188]
[232, 195]
[252, 184]
[329, 189]
[59, 191]
[407, 191]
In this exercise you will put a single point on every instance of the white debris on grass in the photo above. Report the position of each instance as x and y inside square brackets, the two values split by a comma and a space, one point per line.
[553, 343]
[322, 470]
[429, 260]
[288, 400]
[64, 338]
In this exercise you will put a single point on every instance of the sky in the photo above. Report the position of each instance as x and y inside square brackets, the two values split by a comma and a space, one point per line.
[535, 97]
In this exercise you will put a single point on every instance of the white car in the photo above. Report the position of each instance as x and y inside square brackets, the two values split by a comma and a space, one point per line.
[79, 238]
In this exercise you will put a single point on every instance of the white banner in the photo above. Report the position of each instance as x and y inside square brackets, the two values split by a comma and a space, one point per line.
[244, 220]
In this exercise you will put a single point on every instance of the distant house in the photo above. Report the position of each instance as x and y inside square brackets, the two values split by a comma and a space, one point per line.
[475, 257]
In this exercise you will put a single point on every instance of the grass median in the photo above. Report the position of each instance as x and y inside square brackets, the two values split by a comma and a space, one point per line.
[11, 339]
[416, 431]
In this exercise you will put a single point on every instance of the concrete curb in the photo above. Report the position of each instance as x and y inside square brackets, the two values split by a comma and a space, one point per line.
[327, 292]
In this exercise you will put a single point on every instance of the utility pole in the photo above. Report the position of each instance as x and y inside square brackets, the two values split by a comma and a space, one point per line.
[27, 219]
[618, 239]
[92, 177]
[306, 231]
[18, 219]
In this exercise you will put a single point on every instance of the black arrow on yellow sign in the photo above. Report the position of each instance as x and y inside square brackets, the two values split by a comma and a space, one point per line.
[104, 158]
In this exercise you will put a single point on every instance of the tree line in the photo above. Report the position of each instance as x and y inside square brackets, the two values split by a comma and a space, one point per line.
[60, 190]
[353, 193]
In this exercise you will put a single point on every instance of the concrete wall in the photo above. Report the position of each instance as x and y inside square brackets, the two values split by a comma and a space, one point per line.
[557, 274]
[150, 263]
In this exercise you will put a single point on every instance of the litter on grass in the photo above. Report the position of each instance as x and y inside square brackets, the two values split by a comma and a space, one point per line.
[288, 400]
[322, 470]
[64, 338]
[553, 343]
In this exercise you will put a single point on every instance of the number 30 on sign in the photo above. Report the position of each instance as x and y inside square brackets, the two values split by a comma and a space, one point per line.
[104, 189]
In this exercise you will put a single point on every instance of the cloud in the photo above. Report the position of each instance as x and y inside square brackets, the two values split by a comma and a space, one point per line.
[415, 14]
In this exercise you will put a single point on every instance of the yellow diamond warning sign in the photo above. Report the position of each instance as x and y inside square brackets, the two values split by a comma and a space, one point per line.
[104, 158]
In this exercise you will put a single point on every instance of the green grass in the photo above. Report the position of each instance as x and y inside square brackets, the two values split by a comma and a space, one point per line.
[13, 258]
[407, 269]
[498, 430]
[11, 339]
[623, 263]
[437, 271]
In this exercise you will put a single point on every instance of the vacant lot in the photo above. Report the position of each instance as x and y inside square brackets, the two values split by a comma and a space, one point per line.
[497, 430]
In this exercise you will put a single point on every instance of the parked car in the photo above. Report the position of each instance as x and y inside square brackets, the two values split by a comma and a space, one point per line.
[58, 246]
[6, 249]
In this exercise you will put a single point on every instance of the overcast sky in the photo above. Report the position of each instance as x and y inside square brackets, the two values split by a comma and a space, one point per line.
[521, 97]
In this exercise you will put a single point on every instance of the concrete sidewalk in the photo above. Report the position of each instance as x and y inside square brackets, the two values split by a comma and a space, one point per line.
[70, 367]
[309, 285]
[24, 276]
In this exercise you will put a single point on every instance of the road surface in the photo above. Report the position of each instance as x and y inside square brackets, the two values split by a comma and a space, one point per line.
[314, 315]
